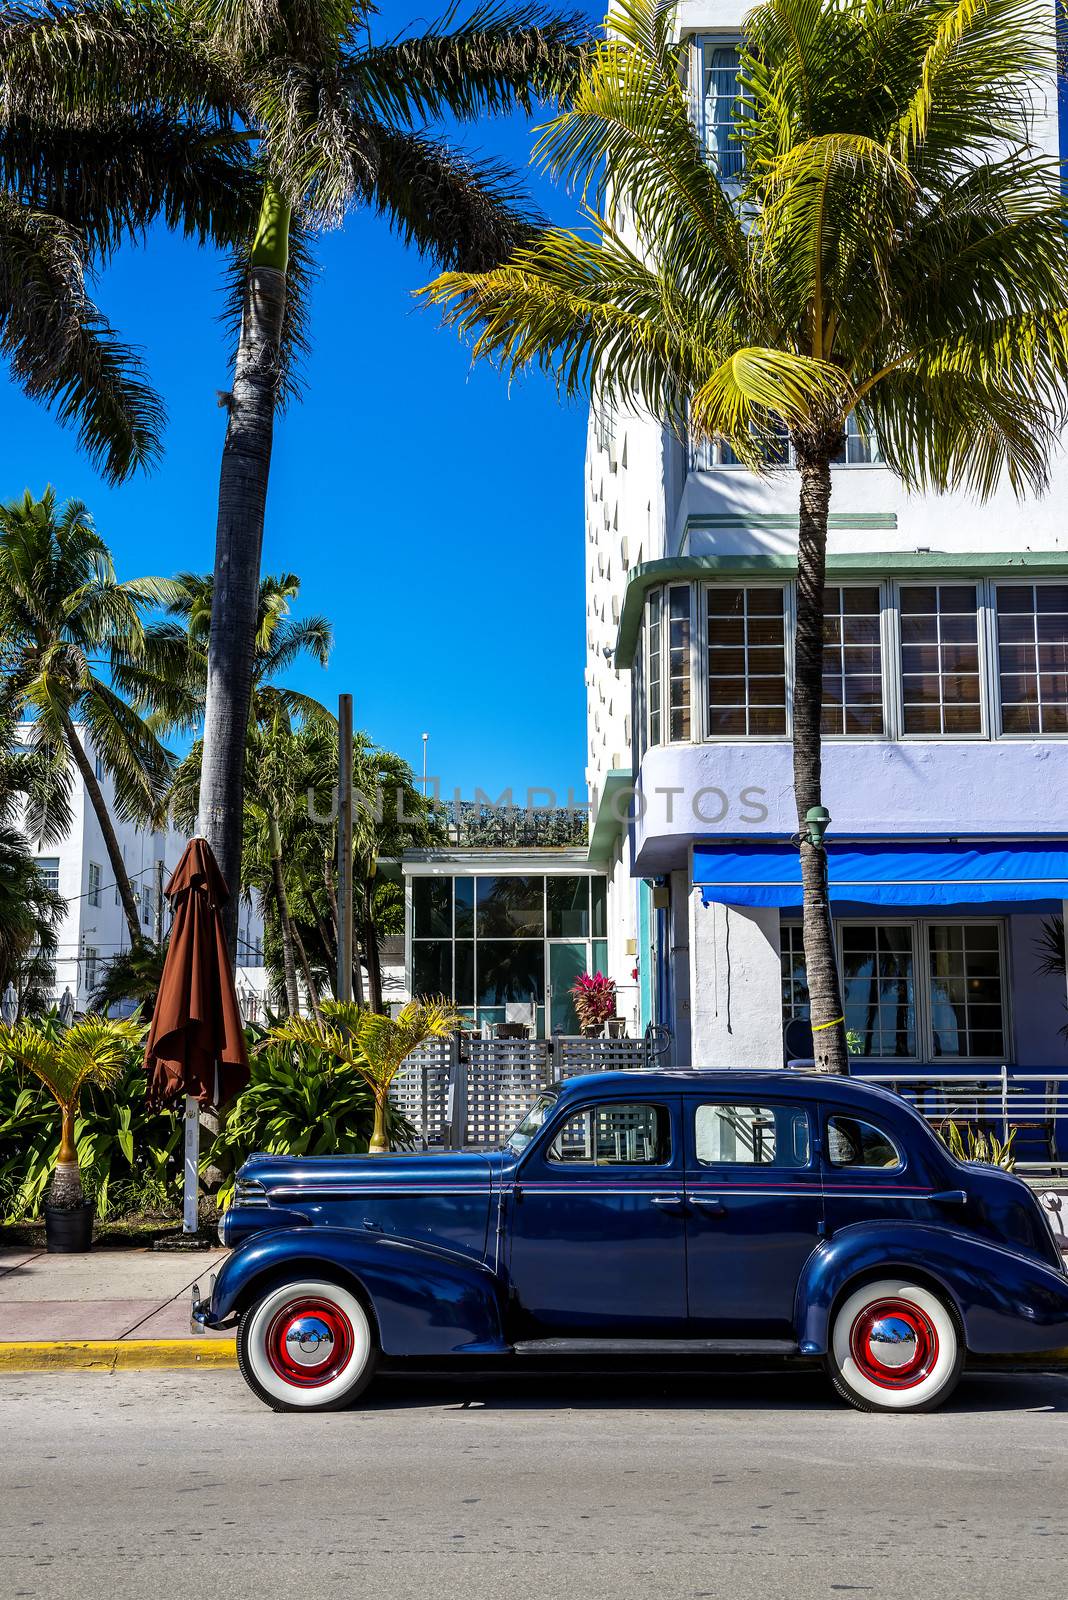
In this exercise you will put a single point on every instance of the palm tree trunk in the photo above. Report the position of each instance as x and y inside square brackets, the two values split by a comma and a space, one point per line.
[369, 940]
[285, 921]
[243, 477]
[65, 1188]
[379, 1145]
[107, 829]
[824, 990]
[306, 972]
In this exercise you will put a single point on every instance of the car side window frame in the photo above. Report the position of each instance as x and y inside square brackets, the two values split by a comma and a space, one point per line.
[828, 1114]
[537, 1153]
[767, 1103]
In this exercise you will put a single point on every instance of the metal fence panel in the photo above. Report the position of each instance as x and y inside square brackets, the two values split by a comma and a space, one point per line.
[503, 1078]
[421, 1088]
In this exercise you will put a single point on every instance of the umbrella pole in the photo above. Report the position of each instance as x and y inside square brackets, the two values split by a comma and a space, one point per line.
[191, 1210]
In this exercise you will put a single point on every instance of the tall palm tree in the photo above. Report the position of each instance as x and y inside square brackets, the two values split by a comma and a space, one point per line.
[65, 619]
[72, 188]
[30, 910]
[337, 119]
[895, 247]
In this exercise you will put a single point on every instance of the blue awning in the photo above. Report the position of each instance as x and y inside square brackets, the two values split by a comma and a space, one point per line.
[884, 873]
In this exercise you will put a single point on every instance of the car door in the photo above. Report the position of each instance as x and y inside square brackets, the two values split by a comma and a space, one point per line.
[754, 1213]
[598, 1234]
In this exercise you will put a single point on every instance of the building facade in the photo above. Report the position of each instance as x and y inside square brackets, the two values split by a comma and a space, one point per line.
[93, 930]
[946, 732]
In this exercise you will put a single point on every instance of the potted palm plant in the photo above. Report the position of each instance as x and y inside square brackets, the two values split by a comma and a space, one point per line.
[94, 1050]
[594, 997]
[376, 1046]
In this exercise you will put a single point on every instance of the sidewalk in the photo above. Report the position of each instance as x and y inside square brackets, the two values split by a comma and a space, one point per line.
[105, 1308]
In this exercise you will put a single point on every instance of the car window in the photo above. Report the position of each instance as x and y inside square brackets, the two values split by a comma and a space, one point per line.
[531, 1124]
[852, 1143]
[757, 1136]
[616, 1134]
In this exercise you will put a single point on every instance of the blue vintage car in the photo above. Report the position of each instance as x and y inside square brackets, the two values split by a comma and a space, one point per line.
[770, 1214]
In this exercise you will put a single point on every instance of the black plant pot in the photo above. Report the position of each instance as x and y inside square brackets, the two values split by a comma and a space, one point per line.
[68, 1232]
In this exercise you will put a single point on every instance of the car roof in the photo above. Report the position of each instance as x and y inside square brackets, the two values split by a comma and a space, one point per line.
[777, 1081]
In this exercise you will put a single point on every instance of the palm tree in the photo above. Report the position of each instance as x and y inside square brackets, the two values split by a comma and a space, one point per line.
[71, 190]
[895, 247]
[337, 119]
[92, 1051]
[30, 910]
[63, 617]
[375, 1045]
[133, 974]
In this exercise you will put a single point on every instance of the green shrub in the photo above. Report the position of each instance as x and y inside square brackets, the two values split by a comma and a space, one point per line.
[123, 1147]
[301, 1101]
[981, 1146]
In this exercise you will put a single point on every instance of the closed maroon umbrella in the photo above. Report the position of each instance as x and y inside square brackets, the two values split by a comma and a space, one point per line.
[196, 1045]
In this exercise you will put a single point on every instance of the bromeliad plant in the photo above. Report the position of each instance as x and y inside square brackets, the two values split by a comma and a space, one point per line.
[374, 1046]
[93, 1052]
[595, 999]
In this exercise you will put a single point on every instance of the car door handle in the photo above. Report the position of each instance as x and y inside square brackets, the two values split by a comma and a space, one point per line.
[708, 1202]
[668, 1202]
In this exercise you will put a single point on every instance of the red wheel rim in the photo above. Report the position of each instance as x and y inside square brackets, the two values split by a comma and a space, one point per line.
[894, 1344]
[309, 1342]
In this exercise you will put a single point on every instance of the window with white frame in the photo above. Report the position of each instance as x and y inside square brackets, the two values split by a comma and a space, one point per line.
[1031, 624]
[148, 906]
[91, 956]
[912, 990]
[941, 681]
[852, 659]
[48, 867]
[652, 670]
[679, 629]
[95, 879]
[746, 655]
[98, 766]
[861, 448]
[939, 659]
[719, 106]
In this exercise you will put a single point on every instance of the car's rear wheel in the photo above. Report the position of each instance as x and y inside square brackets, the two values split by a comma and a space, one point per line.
[895, 1346]
[307, 1345]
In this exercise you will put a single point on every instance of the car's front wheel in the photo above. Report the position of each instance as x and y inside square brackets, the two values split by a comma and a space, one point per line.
[895, 1346]
[307, 1345]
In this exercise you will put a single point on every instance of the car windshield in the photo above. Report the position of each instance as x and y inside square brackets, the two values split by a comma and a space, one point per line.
[531, 1124]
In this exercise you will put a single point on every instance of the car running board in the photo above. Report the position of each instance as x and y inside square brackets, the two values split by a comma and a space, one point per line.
[655, 1347]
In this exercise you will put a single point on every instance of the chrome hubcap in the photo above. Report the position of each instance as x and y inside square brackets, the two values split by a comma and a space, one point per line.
[309, 1342]
[894, 1344]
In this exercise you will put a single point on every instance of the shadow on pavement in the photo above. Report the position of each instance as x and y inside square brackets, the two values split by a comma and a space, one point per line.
[625, 1389]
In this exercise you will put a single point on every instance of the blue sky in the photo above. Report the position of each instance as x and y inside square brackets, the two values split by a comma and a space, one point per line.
[433, 513]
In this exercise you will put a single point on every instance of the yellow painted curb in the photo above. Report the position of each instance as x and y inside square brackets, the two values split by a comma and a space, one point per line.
[113, 1355]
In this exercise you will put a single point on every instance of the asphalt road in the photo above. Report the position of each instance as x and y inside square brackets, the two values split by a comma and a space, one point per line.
[151, 1486]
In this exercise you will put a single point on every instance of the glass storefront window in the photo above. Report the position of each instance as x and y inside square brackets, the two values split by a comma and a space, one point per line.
[464, 900]
[568, 901]
[432, 967]
[599, 894]
[464, 981]
[510, 970]
[510, 908]
[432, 908]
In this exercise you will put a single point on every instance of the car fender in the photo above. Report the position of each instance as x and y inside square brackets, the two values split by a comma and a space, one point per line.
[1007, 1303]
[426, 1301]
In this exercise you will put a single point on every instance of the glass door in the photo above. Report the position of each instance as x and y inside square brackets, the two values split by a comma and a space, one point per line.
[568, 960]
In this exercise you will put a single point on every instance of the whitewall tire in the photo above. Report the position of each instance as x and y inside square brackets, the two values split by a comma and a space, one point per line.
[307, 1345]
[895, 1346]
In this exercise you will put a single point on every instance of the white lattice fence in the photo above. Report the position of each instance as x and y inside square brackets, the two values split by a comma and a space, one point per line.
[578, 1055]
[420, 1089]
[503, 1078]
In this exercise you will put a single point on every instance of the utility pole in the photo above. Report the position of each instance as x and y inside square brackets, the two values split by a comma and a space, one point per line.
[157, 931]
[426, 736]
[344, 847]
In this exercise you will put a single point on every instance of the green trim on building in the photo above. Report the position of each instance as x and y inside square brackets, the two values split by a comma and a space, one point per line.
[606, 824]
[851, 568]
[788, 519]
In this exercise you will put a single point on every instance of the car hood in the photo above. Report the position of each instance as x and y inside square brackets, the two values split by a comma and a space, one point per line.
[287, 1178]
